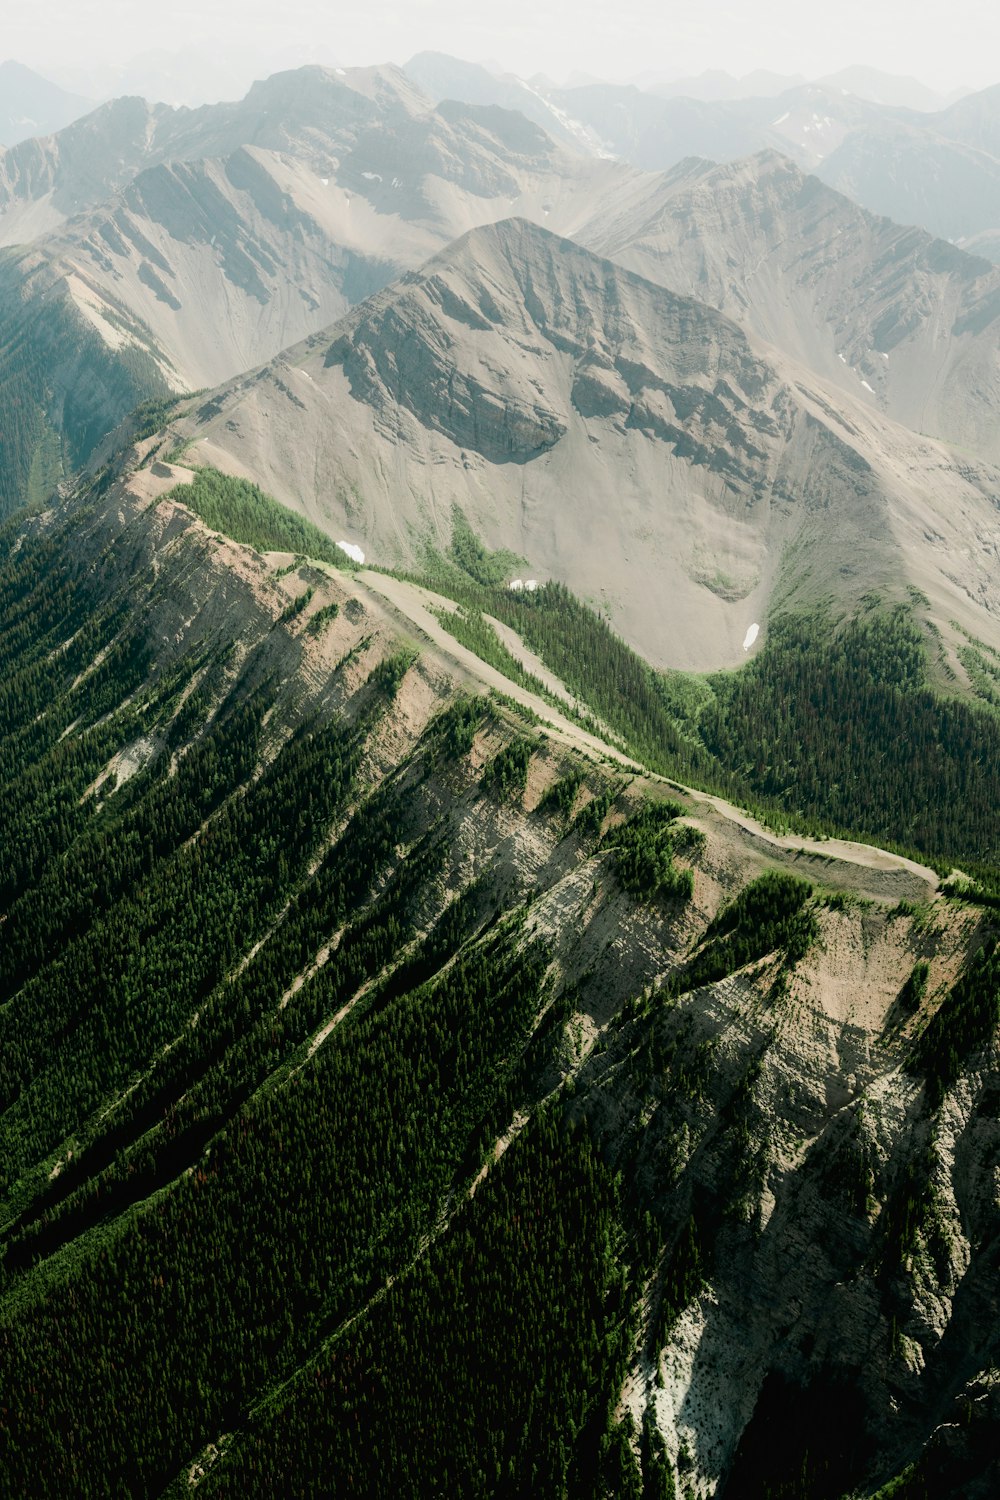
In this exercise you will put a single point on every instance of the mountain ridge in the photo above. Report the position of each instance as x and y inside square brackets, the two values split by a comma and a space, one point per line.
[481, 381]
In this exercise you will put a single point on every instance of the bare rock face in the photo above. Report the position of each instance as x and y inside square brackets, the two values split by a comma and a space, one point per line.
[630, 441]
[456, 345]
[902, 321]
[401, 358]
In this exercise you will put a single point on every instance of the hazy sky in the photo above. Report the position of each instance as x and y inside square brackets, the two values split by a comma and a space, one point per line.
[944, 45]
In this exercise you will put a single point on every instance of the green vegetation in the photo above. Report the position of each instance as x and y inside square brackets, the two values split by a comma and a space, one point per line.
[468, 553]
[561, 795]
[62, 389]
[830, 729]
[471, 630]
[772, 913]
[295, 606]
[531, 1262]
[962, 1026]
[244, 512]
[178, 1093]
[644, 852]
[322, 617]
[507, 772]
[266, 1021]
[915, 988]
[982, 664]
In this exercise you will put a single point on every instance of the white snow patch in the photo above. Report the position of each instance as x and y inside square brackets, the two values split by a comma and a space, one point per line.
[843, 361]
[867, 386]
[516, 585]
[751, 636]
[781, 119]
[340, 72]
[884, 355]
[372, 176]
[325, 181]
[353, 551]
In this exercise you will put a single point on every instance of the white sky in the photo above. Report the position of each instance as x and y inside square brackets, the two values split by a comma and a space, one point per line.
[944, 46]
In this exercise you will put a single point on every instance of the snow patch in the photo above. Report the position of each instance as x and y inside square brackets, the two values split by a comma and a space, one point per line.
[867, 386]
[353, 551]
[517, 585]
[372, 176]
[751, 636]
[781, 119]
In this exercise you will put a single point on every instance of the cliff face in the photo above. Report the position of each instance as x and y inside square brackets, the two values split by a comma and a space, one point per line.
[785, 1060]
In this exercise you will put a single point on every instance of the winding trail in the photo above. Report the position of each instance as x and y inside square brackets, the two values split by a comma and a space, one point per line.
[873, 872]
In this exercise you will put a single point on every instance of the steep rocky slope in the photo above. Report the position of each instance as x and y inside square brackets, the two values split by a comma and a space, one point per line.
[270, 1163]
[44, 182]
[73, 362]
[628, 441]
[894, 316]
[199, 243]
[228, 261]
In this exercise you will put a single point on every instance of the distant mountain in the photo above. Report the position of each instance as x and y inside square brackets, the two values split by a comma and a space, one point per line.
[715, 84]
[654, 133]
[882, 140]
[896, 91]
[311, 112]
[31, 105]
[628, 441]
[941, 171]
[193, 244]
[902, 321]
[974, 120]
[443, 77]
[866, 83]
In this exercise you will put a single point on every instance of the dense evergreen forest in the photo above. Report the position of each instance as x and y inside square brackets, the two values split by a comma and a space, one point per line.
[167, 1106]
[308, 1182]
[242, 510]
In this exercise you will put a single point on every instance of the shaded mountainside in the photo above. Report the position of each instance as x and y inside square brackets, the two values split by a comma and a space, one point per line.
[73, 364]
[207, 240]
[395, 1099]
[895, 317]
[627, 441]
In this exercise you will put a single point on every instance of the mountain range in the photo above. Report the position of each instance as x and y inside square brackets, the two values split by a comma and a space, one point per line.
[500, 793]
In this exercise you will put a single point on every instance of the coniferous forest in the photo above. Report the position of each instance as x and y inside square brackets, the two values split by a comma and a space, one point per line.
[310, 1183]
